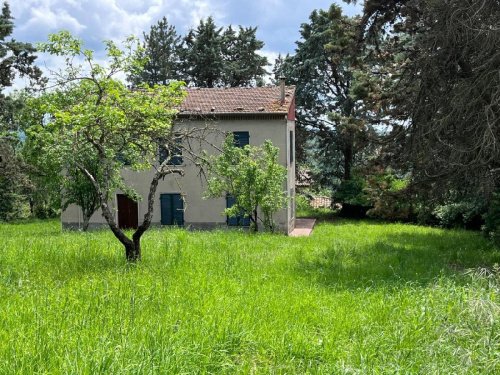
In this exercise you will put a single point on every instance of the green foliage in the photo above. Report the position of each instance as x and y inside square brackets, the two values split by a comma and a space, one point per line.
[161, 48]
[437, 73]
[212, 56]
[16, 60]
[243, 66]
[352, 192]
[355, 297]
[79, 190]
[324, 69]
[458, 214]
[92, 122]
[492, 220]
[302, 202]
[202, 55]
[253, 176]
[389, 196]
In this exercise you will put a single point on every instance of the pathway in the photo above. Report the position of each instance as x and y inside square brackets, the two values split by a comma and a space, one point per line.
[303, 227]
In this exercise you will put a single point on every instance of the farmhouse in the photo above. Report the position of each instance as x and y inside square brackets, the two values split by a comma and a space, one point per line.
[252, 115]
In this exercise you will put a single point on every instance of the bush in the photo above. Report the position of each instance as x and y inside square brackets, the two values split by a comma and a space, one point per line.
[464, 214]
[492, 220]
[388, 194]
[302, 203]
[351, 194]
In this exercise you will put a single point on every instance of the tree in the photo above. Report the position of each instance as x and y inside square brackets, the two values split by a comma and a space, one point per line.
[253, 177]
[324, 69]
[79, 190]
[202, 55]
[243, 66]
[92, 115]
[161, 49]
[216, 57]
[16, 59]
[441, 63]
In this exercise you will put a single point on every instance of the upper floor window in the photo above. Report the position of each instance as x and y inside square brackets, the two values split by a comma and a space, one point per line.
[171, 151]
[241, 139]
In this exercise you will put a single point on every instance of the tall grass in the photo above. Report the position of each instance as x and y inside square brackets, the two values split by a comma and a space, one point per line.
[354, 298]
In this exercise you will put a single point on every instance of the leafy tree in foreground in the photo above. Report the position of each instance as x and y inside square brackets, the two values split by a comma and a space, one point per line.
[253, 176]
[95, 116]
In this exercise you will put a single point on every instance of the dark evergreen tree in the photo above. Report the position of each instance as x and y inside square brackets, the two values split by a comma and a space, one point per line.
[16, 59]
[215, 57]
[243, 66]
[324, 70]
[441, 61]
[203, 63]
[161, 48]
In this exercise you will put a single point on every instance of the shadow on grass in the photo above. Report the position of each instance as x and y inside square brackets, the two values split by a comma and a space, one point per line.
[320, 214]
[395, 258]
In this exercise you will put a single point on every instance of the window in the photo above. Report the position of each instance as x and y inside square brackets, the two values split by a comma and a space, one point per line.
[291, 148]
[123, 159]
[235, 221]
[241, 139]
[172, 209]
[164, 152]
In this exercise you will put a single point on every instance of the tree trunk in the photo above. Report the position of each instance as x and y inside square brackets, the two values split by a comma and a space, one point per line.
[133, 251]
[256, 225]
[132, 246]
[348, 160]
[86, 219]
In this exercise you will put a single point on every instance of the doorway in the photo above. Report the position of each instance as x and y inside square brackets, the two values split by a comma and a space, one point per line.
[127, 212]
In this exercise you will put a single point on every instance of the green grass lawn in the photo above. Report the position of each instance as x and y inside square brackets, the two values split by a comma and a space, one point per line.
[354, 298]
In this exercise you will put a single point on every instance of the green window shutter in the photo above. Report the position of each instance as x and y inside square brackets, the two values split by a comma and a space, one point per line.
[235, 221]
[172, 209]
[178, 209]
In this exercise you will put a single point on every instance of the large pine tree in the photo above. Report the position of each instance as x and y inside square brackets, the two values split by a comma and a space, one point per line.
[161, 48]
[16, 59]
[203, 63]
[208, 56]
[324, 70]
[243, 66]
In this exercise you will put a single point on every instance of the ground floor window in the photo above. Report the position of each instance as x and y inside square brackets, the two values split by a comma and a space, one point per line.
[172, 209]
[236, 221]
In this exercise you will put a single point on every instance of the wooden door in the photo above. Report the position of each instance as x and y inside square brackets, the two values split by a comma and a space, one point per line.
[127, 212]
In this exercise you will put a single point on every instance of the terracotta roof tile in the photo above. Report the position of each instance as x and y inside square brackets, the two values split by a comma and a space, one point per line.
[237, 100]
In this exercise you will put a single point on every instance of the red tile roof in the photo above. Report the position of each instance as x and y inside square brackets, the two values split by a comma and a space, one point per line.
[237, 100]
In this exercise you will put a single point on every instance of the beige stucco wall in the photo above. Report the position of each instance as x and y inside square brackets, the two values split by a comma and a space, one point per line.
[201, 212]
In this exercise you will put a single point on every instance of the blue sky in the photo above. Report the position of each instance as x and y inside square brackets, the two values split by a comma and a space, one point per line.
[93, 21]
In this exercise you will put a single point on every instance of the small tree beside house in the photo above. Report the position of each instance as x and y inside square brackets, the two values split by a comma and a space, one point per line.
[253, 177]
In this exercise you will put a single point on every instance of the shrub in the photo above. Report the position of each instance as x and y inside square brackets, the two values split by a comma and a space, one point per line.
[492, 220]
[388, 194]
[351, 194]
[462, 214]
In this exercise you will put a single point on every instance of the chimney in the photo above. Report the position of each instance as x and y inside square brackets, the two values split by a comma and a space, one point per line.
[282, 87]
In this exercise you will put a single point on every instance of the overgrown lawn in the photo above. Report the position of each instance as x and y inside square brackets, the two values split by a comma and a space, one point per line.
[354, 298]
